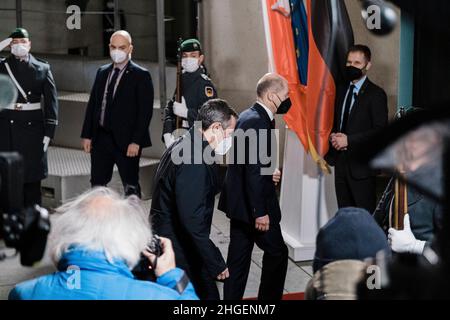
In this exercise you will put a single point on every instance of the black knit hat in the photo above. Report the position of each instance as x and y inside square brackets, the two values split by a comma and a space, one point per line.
[351, 234]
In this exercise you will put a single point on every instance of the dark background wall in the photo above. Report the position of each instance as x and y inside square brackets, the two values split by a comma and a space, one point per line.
[432, 53]
[46, 21]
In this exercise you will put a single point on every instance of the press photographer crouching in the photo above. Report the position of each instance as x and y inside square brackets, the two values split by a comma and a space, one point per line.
[94, 244]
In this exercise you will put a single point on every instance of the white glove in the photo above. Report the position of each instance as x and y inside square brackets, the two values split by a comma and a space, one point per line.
[169, 139]
[5, 43]
[404, 240]
[180, 109]
[46, 142]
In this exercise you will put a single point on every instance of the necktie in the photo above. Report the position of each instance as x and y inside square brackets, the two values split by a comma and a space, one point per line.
[110, 97]
[112, 85]
[273, 124]
[348, 104]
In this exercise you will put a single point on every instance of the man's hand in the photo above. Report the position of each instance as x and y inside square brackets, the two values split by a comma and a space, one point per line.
[224, 275]
[180, 109]
[5, 43]
[262, 223]
[133, 150]
[339, 141]
[404, 240]
[87, 145]
[276, 177]
[46, 142]
[166, 261]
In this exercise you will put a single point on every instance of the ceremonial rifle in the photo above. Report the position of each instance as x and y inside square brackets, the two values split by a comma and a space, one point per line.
[179, 90]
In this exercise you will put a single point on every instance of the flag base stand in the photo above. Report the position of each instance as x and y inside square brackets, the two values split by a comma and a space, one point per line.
[299, 200]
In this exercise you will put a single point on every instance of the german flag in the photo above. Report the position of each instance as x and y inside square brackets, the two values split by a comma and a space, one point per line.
[307, 43]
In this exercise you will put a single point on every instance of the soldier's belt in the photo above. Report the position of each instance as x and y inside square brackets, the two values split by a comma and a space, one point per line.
[24, 106]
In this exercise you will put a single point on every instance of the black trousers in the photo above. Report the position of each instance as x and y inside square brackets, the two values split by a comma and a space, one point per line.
[243, 236]
[351, 192]
[192, 263]
[104, 154]
[32, 194]
[204, 284]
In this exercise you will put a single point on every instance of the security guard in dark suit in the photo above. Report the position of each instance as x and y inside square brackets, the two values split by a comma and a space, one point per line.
[197, 88]
[361, 110]
[28, 125]
[118, 116]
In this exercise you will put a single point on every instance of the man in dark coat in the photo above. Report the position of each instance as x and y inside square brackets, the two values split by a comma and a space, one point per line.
[118, 115]
[196, 87]
[361, 109]
[27, 126]
[249, 197]
[185, 187]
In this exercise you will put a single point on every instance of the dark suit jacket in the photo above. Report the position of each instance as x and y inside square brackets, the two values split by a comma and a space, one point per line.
[368, 115]
[183, 206]
[247, 194]
[132, 107]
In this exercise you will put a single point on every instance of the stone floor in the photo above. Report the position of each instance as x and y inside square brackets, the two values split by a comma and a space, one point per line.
[298, 275]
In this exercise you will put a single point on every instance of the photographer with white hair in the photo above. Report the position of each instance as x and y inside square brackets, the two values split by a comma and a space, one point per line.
[94, 244]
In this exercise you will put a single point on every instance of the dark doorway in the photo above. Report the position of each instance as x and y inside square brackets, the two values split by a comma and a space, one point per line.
[432, 53]
[183, 25]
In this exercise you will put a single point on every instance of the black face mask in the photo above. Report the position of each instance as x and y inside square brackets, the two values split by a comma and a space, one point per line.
[284, 106]
[353, 73]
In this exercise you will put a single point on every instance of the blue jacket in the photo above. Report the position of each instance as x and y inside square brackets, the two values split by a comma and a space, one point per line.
[87, 275]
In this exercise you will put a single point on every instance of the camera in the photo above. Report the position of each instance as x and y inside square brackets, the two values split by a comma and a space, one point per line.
[154, 247]
[144, 269]
[24, 229]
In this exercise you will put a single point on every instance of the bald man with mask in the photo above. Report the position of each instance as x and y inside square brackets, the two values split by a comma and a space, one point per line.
[249, 196]
[118, 115]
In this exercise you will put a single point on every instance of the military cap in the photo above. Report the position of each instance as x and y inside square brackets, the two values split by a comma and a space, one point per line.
[19, 33]
[191, 45]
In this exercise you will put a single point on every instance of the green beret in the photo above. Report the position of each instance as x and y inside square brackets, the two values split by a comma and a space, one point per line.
[19, 33]
[191, 45]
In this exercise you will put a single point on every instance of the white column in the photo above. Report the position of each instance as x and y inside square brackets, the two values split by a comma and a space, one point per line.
[299, 199]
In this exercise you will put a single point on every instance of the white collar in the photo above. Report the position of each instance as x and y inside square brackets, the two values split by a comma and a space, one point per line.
[269, 112]
[122, 65]
[359, 83]
[24, 58]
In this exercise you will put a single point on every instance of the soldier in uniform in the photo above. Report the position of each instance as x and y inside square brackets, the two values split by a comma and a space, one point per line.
[197, 88]
[28, 125]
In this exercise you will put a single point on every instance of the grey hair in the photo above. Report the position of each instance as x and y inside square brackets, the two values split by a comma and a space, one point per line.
[101, 220]
[216, 110]
[124, 34]
[270, 81]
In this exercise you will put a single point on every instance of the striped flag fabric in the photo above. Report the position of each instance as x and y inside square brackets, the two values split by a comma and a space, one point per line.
[307, 42]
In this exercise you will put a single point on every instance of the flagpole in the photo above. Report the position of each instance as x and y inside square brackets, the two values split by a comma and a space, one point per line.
[334, 28]
[268, 36]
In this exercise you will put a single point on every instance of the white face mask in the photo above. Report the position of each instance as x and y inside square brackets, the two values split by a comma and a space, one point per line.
[118, 56]
[20, 49]
[190, 64]
[224, 146]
